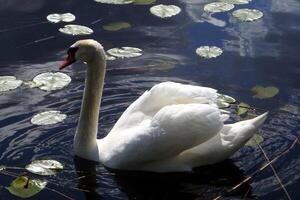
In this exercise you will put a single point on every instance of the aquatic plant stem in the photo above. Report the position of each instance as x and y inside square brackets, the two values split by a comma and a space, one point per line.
[274, 171]
[259, 170]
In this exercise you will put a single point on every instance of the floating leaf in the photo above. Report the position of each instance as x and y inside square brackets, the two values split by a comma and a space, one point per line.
[24, 187]
[222, 104]
[143, 2]
[165, 11]
[115, 1]
[44, 167]
[226, 98]
[255, 140]
[125, 52]
[209, 51]
[9, 83]
[50, 81]
[264, 92]
[290, 108]
[236, 1]
[108, 57]
[242, 108]
[116, 26]
[48, 117]
[218, 7]
[73, 29]
[65, 17]
[247, 15]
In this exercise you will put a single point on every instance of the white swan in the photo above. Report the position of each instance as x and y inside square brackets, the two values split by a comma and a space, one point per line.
[171, 127]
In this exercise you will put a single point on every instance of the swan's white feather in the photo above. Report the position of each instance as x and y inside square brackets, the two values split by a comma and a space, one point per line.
[174, 129]
[161, 95]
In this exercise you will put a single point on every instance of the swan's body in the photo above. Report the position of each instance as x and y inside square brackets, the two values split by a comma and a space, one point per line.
[171, 127]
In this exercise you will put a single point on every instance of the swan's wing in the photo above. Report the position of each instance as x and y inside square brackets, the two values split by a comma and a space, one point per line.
[161, 95]
[229, 140]
[169, 93]
[173, 129]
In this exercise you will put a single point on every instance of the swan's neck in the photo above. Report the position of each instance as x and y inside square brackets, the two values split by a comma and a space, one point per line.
[85, 140]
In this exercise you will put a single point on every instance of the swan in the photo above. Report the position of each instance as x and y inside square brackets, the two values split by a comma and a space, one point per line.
[173, 127]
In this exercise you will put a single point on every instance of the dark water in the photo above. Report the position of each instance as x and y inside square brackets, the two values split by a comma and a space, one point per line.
[264, 52]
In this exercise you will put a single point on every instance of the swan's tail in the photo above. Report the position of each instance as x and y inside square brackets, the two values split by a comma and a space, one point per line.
[259, 120]
[237, 134]
[230, 139]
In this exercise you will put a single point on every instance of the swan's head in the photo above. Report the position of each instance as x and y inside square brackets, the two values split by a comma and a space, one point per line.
[84, 50]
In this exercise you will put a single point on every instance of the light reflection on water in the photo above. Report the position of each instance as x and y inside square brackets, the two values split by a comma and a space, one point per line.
[263, 52]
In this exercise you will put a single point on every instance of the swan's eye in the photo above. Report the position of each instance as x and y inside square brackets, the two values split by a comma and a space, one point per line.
[70, 59]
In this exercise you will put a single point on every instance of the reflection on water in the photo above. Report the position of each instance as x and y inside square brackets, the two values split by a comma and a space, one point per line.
[264, 52]
[204, 183]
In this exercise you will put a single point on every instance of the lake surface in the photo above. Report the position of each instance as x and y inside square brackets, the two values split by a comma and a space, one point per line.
[264, 52]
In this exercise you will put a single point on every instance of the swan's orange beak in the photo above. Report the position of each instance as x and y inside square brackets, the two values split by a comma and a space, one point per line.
[67, 61]
[70, 59]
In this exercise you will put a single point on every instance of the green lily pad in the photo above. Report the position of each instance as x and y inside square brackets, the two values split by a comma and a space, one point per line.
[49, 81]
[9, 83]
[48, 118]
[290, 108]
[255, 140]
[264, 92]
[65, 17]
[165, 11]
[108, 57]
[209, 51]
[115, 1]
[247, 15]
[24, 187]
[216, 7]
[226, 98]
[73, 29]
[242, 108]
[143, 2]
[222, 104]
[236, 1]
[116, 26]
[125, 52]
[44, 167]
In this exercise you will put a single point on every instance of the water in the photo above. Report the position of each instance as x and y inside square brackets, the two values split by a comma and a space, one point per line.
[264, 52]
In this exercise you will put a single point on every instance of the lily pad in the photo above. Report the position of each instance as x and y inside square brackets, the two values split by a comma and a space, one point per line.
[24, 187]
[226, 98]
[222, 104]
[48, 118]
[216, 7]
[209, 51]
[242, 108]
[73, 29]
[50, 81]
[264, 92]
[165, 11]
[125, 52]
[255, 140]
[290, 108]
[236, 1]
[108, 57]
[143, 2]
[65, 17]
[44, 167]
[115, 1]
[247, 15]
[116, 26]
[9, 83]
